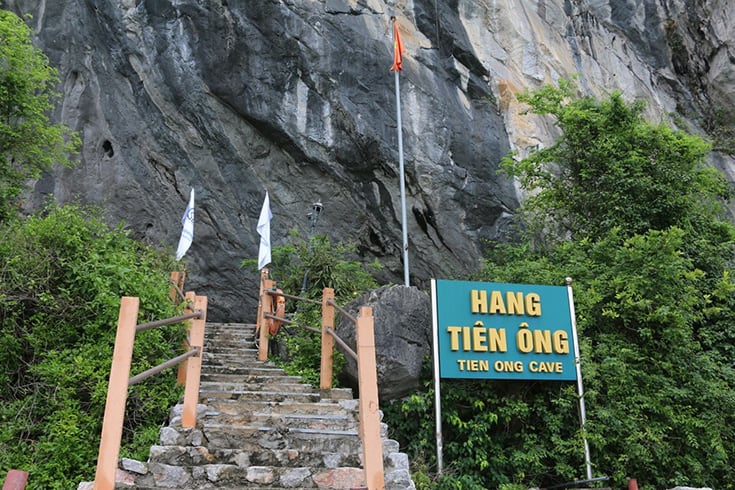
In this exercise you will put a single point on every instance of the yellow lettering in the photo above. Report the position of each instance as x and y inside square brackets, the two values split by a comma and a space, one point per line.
[515, 303]
[465, 338]
[484, 365]
[461, 364]
[497, 340]
[533, 304]
[508, 366]
[496, 303]
[561, 342]
[524, 339]
[545, 367]
[478, 301]
[479, 338]
[454, 337]
[542, 341]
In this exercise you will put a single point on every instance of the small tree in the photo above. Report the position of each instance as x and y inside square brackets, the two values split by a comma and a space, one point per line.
[29, 142]
[612, 169]
[632, 212]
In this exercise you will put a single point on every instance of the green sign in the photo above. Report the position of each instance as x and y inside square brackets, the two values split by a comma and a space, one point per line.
[504, 331]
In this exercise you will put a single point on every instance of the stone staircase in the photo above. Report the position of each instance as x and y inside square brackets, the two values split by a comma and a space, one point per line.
[258, 428]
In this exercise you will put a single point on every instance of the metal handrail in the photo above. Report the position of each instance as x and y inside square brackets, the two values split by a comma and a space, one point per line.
[342, 343]
[291, 296]
[163, 366]
[167, 321]
[341, 310]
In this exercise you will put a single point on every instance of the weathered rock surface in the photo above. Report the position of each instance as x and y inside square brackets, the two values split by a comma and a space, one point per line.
[402, 323]
[295, 96]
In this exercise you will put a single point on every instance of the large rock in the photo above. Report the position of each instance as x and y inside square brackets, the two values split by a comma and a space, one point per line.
[295, 97]
[402, 323]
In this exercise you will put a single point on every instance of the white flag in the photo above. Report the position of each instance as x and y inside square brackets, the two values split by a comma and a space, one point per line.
[264, 230]
[187, 234]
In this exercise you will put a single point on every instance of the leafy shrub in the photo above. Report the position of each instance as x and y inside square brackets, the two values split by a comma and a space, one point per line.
[304, 268]
[61, 278]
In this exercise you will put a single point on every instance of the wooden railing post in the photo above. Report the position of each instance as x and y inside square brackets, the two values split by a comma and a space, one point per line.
[367, 375]
[177, 286]
[117, 395]
[15, 480]
[194, 364]
[326, 371]
[266, 302]
[259, 318]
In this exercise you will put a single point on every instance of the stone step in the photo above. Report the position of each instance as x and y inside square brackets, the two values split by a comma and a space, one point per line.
[253, 477]
[281, 420]
[206, 396]
[200, 455]
[266, 376]
[245, 406]
[251, 369]
[261, 429]
[281, 386]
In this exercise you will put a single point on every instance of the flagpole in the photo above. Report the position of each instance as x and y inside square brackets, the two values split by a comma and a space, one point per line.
[400, 169]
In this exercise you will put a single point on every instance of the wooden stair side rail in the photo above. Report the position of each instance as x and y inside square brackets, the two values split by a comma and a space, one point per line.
[266, 306]
[369, 410]
[194, 364]
[117, 394]
[327, 357]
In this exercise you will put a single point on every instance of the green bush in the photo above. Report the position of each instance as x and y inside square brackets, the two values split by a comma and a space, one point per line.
[325, 265]
[61, 278]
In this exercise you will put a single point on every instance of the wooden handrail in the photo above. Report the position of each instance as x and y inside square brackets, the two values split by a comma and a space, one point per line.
[366, 365]
[120, 380]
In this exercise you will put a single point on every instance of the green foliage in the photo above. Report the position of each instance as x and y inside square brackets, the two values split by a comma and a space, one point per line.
[631, 212]
[29, 143]
[316, 264]
[641, 176]
[61, 279]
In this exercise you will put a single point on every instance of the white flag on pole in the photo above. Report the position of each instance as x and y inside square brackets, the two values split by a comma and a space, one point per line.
[264, 230]
[187, 233]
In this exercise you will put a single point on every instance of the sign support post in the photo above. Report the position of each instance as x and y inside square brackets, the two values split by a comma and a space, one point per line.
[437, 382]
[580, 387]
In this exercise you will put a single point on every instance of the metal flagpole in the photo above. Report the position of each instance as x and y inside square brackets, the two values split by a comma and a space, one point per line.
[580, 388]
[400, 159]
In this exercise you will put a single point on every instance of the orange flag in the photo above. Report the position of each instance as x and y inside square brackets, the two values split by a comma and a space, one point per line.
[398, 50]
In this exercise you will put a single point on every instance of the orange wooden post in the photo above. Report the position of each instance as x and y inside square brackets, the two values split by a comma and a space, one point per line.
[367, 375]
[15, 480]
[194, 364]
[259, 319]
[326, 371]
[177, 286]
[266, 301]
[117, 395]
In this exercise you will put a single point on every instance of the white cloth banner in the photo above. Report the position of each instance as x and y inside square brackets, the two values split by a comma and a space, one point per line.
[264, 230]
[187, 233]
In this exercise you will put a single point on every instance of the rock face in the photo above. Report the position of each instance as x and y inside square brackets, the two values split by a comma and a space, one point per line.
[402, 323]
[295, 97]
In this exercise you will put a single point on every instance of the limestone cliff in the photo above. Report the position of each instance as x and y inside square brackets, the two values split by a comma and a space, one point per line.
[235, 97]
